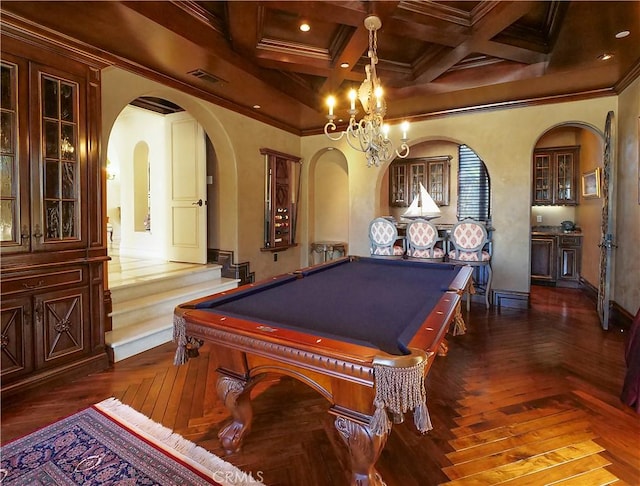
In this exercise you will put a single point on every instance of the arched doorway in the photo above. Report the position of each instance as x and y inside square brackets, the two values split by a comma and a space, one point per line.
[572, 259]
[156, 205]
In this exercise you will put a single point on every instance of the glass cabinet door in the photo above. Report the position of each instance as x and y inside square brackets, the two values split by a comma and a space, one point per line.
[9, 177]
[282, 180]
[61, 167]
[438, 183]
[398, 186]
[14, 164]
[555, 174]
[542, 179]
[59, 162]
[565, 175]
[405, 177]
[418, 176]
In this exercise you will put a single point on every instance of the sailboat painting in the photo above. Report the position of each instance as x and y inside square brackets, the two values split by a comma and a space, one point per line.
[422, 206]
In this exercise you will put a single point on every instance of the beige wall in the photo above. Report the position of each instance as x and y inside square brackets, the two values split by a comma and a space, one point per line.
[330, 187]
[626, 288]
[237, 141]
[589, 211]
[503, 139]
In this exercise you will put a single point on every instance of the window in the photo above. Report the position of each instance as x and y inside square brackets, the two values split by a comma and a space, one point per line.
[474, 187]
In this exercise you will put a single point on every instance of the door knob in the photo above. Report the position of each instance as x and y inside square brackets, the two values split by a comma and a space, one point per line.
[197, 203]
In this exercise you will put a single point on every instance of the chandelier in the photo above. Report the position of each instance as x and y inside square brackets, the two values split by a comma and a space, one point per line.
[369, 135]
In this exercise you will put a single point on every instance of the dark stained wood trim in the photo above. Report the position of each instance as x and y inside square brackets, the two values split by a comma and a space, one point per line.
[505, 105]
[231, 269]
[619, 317]
[511, 299]
[105, 59]
[37, 36]
[589, 290]
[628, 78]
[56, 376]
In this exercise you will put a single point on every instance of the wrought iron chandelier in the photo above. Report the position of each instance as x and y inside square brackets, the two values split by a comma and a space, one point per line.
[369, 135]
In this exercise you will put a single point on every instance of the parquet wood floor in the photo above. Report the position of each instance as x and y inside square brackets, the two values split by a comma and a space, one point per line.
[526, 397]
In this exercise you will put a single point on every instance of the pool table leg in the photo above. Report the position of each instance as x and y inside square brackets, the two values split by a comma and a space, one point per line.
[234, 393]
[364, 448]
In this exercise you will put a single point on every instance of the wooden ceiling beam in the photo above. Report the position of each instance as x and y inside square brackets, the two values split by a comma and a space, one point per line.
[506, 51]
[356, 47]
[347, 13]
[503, 14]
[243, 18]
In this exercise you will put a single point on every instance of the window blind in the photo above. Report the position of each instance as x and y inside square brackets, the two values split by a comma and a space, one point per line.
[474, 186]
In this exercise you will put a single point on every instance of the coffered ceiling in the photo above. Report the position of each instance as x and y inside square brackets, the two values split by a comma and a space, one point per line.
[436, 57]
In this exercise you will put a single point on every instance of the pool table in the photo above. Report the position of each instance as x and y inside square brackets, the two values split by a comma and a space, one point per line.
[363, 332]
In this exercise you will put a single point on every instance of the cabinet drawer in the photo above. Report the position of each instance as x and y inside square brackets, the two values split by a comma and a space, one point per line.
[570, 241]
[39, 281]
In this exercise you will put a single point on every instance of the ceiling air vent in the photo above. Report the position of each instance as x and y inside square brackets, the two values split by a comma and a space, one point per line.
[205, 76]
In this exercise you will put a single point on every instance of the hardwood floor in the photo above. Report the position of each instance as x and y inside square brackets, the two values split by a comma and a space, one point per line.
[526, 397]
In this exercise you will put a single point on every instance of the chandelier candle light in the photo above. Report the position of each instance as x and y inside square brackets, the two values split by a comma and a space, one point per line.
[369, 135]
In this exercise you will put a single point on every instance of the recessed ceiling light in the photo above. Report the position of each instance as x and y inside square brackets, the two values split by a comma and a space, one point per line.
[304, 27]
[344, 65]
[605, 57]
[257, 107]
[622, 34]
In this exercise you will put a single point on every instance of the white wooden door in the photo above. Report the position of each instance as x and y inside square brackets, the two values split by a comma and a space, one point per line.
[187, 230]
[607, 245]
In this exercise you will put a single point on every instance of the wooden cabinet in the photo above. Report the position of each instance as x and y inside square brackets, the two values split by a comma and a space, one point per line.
[543, 258]
[555, 259]
[282, 173]
[45, 321]
[405, 176]
[51, 235]
[569, 258]
[555, 176]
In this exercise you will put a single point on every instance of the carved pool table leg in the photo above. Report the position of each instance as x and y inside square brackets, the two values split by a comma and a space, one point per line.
[364, 449]
[234, 393]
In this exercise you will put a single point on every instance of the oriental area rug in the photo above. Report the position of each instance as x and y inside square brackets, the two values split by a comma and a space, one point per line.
[112, 444]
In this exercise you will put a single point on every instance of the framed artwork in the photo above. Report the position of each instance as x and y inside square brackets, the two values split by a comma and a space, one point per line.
[591, 183]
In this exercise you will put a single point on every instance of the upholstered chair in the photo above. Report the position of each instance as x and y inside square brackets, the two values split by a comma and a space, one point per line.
[422, 239]
[469, 244]
[383, 235]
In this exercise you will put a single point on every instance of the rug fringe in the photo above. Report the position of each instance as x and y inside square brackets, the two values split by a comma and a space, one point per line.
[218, 469]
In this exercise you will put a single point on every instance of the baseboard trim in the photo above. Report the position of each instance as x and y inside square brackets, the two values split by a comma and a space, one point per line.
[619, 317]
[46, 379]
[511, 299]
[589, 290]
[230, 269]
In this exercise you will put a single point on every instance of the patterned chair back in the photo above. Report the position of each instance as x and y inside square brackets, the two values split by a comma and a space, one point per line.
[422, 237]
[382, 236]
[469, 238]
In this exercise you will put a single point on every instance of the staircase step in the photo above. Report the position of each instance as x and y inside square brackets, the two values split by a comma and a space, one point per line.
[145, 320]
[155, 283]
[136, 338]
[162, 303]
